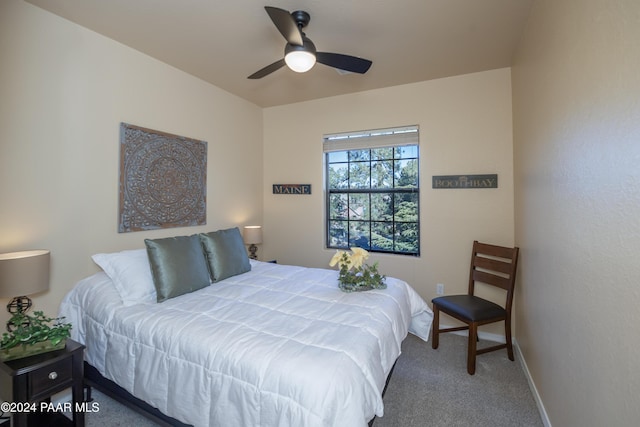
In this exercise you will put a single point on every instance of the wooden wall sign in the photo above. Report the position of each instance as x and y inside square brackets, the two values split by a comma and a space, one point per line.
[163, 180]
[465, 181]
[291, 188]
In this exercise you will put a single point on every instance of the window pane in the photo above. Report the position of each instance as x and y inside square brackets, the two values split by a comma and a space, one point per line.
[359, 234]
[407, 151]
[359, 207]
[357, 155]
[338, 206]
[406, 207]
[359, 175]
[381, 207]
[382, 174]
[338, 234]
[338, 175]
[382, 236]
[406, 173]
[407, 238]
[337, 156]
[382, 153]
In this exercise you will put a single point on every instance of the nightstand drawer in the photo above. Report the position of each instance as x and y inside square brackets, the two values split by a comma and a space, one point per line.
[48, 378]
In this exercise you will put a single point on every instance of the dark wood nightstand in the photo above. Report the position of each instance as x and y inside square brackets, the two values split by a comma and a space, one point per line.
[35, 379]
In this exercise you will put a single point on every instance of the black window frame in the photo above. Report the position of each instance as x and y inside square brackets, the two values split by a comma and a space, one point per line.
[370, 223]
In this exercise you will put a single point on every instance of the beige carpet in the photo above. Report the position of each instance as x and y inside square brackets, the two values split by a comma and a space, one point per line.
[432, 388]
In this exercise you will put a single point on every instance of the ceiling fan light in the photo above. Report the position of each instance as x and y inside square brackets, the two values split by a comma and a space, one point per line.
[300, 61]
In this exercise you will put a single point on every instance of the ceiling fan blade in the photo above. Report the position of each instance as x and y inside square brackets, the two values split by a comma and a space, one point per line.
[344, 62]
[267, 70]
[285, 23]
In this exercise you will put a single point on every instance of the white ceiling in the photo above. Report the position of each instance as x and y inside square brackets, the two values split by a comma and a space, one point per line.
[224, 41]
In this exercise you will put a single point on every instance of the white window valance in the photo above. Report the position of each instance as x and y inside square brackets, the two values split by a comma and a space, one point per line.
[378, 138]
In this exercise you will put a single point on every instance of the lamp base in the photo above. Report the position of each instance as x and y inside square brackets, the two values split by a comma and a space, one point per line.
[252, 251]
[18, 305]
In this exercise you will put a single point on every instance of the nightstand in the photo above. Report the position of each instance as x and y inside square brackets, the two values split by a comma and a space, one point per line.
[35, 379]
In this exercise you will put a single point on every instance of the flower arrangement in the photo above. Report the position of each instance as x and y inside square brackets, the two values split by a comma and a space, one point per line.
[355, 275]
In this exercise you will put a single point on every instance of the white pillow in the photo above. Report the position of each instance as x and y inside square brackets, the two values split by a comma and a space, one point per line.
[131, 275]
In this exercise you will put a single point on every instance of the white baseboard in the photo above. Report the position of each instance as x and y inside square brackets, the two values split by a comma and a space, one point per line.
[532, 386]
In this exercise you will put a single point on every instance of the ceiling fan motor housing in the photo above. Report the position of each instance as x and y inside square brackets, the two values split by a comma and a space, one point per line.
[301, 17]
[307, 46]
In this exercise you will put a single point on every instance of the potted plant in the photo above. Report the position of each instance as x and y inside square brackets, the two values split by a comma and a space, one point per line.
[33, 334]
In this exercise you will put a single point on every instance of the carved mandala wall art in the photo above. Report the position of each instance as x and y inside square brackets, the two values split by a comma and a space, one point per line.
[163, 180]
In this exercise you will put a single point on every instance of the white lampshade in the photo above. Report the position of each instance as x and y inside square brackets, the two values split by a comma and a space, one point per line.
[300, 61]
[24, 273]
[252, 234]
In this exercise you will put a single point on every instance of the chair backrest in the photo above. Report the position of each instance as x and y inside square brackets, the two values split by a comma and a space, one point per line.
[494, 265]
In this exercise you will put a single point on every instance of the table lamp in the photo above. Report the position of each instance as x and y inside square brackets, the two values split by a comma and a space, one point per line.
[21, 274]
[252, 236]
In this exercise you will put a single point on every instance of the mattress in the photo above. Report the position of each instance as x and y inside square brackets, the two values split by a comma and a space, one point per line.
[276, 346]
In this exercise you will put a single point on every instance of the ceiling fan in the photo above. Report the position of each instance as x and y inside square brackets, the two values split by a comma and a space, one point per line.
[300, 53]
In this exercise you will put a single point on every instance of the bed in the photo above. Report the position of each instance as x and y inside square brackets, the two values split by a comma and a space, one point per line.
[277, 345]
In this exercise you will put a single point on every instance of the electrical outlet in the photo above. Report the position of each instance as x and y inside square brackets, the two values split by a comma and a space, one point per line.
[440, 289]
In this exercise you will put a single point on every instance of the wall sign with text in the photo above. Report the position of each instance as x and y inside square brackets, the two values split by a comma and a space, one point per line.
[291, 188]
[465, 181]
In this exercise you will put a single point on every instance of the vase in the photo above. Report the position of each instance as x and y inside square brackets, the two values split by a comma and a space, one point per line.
[20, 351]
[353, 287]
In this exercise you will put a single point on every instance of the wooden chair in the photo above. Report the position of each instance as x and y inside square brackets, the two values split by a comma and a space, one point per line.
[492, 265]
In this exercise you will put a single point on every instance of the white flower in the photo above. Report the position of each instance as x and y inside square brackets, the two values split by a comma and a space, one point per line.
[354, 259]
[337, 258]
[358, 257]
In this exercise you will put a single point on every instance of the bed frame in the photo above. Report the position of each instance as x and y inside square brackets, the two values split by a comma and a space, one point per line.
[93, 379]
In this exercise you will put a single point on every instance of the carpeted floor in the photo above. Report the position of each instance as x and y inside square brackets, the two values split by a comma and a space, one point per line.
[428, 388]
[432, 388]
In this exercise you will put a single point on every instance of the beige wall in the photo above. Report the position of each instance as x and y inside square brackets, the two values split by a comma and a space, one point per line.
[576, 85]
[64, 91]
[465, 128]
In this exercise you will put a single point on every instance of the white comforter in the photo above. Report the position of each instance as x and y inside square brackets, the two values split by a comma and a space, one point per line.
[277, 346]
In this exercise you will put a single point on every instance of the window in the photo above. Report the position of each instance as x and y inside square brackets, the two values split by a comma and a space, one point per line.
[372, 188]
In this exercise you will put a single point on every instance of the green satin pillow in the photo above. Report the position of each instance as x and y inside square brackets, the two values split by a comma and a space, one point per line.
[225, 253]
[178, 266]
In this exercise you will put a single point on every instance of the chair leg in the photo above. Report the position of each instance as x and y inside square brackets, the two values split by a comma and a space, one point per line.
[471, 350]
[507, 335]
[435, 328]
